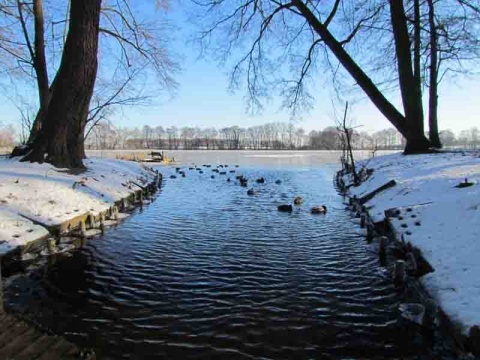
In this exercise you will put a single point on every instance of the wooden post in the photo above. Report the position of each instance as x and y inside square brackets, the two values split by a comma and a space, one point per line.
[2, 308]
[91, 221]
[51, 244]
[102, 222]
[399, 275]
[369, 233]
[382, 252]
[430, 314]
[412, 263]
[82, 228]
[115, 212]
[362, 221]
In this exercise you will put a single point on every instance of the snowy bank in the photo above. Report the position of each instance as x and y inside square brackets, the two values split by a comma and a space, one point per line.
[35, 197]
[438, 217]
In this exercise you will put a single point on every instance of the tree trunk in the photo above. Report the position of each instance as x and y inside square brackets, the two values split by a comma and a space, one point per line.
[37, 55]
[40, 66]
[415, 142]
[433, 86]
[410, 86]
[61, 139]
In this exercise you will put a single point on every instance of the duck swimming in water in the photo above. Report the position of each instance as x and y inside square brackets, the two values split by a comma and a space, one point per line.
[251, 192]
[319, 209]
[285, 208]
[298, 200]
[243, 182]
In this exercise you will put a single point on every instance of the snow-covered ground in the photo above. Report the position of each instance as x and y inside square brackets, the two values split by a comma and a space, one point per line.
[40, 193]
[439, 218]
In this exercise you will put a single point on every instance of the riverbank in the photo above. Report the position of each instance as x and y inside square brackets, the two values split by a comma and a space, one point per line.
[39, 200]
[432, 202]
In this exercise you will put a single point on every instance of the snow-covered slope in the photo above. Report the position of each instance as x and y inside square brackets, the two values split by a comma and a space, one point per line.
[51, 196]
[439, 218]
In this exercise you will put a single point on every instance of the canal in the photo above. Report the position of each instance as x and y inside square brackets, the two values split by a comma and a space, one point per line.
[207, 271]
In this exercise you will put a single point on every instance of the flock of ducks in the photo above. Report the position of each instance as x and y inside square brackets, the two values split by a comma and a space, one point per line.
[222, 170]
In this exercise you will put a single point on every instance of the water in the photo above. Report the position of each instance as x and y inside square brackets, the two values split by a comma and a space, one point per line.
[208, 272]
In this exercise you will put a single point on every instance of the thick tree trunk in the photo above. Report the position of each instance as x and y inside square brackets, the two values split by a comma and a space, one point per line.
[410, 85]
[61, 140]
[414, 142]
[433, 86]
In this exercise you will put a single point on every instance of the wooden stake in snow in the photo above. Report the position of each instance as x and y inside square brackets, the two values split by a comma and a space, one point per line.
[115, 212]
[83, 228]
[91, 221]
[2, 310]
[102, 222]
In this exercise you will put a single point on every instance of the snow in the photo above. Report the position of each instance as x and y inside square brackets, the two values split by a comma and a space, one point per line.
[437, 217]
[42, 194]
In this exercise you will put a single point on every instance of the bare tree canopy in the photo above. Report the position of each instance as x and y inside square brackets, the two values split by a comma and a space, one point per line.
[283, 46]
[131, 50]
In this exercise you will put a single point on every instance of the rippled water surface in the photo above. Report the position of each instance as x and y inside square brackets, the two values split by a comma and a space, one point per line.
[207, 271]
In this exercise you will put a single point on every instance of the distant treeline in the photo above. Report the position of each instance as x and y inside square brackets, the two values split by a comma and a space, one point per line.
[271, 136]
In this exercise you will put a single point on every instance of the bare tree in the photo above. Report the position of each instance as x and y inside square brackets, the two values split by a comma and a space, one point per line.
[139, 47]
[313, 28]
[61, 139]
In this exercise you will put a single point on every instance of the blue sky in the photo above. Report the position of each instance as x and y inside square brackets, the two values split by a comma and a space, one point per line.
[203, 98]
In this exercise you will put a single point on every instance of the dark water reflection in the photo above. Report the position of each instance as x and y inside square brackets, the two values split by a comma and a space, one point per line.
[208, 272]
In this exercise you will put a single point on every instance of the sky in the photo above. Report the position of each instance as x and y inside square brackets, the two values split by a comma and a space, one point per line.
[203, 99]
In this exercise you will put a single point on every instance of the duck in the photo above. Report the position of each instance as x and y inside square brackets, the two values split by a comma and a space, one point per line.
[243, 182]
[298, 200]
[261, 180]
[213, 176]
[251, 192]
[278, 182]
[285, 208]
[173, 177]
[228, 180]
[319, 209]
